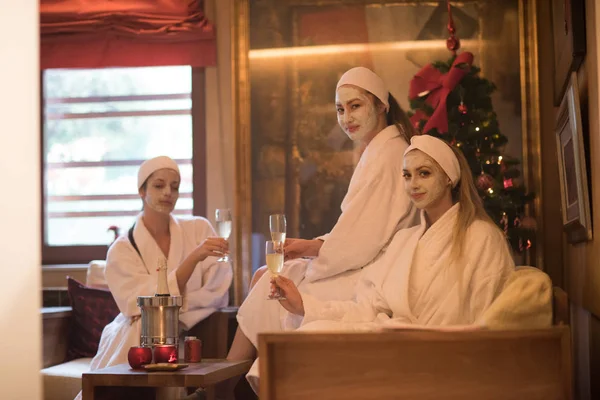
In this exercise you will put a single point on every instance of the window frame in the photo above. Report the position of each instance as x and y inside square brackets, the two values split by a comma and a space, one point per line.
[83, 254]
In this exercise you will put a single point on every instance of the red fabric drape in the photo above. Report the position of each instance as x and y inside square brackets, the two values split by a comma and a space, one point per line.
[125, 33]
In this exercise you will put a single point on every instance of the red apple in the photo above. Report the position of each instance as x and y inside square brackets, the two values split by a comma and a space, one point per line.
[138, 356]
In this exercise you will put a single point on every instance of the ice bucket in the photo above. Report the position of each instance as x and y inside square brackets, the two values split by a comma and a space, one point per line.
[160, 319]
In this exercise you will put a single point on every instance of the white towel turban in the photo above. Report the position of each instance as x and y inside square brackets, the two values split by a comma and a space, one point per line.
[152, 165]
[440, 152]
[366, 79]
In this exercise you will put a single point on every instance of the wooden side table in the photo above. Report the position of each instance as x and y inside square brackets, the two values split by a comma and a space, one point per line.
[122, 382]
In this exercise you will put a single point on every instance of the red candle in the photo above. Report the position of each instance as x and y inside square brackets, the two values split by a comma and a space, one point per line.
[138, 356]
[165, 353]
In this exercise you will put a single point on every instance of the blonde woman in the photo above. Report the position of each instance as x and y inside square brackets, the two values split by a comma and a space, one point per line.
[455, 268]
[446, 271]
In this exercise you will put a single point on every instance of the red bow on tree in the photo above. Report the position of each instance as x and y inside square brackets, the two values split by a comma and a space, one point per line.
[437, 86]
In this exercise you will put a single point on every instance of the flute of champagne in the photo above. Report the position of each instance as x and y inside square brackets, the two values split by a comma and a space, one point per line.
[223, 220]
[274, 256]
[278, 227]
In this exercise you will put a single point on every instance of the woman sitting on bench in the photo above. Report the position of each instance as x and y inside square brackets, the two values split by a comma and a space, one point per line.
[454, 269]
[447, 271]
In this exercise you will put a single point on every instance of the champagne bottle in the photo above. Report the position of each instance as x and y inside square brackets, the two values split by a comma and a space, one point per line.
[162, 287]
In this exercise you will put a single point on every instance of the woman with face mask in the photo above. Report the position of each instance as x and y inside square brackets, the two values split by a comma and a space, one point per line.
[446, 271]
[189, 247]
[372, 210]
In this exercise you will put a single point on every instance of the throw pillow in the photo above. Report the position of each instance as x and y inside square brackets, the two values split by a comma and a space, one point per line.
[93, 309]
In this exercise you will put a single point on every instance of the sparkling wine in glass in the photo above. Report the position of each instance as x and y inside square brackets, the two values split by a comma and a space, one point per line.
[278, 227]
[274, 256]
[223, 220]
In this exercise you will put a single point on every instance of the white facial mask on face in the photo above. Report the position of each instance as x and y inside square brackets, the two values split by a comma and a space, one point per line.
[427, 183]
[359, 118]
[160, 195]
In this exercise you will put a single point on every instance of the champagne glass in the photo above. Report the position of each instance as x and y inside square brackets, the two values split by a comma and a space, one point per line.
[223, 219]
[274, 256]
[278, 226]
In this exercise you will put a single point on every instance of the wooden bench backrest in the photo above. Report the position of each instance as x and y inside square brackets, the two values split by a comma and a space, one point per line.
[416, 365]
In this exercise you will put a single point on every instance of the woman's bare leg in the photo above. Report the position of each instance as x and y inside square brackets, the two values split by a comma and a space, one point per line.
[257, 275]
[241, 348]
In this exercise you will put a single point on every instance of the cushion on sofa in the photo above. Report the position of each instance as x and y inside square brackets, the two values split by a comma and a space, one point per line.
[95, 275]
[63, 381]
[93, 309]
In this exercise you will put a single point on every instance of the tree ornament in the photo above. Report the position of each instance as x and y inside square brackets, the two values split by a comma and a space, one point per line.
[484, 181]
[508, 183]
[524, 245]
[504, 223]
[462, 108]
[517, 222]
[453, 43]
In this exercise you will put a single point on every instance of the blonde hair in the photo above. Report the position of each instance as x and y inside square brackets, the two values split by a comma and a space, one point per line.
[470, 206]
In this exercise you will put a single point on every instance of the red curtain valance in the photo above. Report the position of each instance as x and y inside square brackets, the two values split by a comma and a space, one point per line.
[125, 33]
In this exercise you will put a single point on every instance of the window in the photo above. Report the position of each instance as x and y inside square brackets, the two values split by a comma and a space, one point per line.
[99, 125]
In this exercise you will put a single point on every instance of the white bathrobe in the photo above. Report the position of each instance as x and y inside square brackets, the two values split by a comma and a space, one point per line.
[129, 276]
[415, 283]
[374, 208]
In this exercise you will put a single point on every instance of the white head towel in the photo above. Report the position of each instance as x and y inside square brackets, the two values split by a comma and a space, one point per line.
[152, 165]
[440, 152]
[366, 79]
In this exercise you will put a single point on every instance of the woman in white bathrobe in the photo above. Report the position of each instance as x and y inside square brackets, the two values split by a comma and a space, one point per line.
[374, 208]
[189, 246]
[446, 271]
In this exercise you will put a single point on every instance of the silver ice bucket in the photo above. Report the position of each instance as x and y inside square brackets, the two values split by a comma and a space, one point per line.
[160, 319]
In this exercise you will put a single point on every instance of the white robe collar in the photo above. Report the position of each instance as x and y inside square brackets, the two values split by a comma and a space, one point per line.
[400, 277]
[151, 252]
[379, 141]
[439, 232]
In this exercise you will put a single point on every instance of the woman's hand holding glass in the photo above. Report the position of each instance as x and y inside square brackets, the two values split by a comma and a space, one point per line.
[211, 247]
[292, 299]
[296, 248]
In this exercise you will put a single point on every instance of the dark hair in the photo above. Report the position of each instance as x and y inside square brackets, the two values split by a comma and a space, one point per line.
[397, 116]
[144, 187]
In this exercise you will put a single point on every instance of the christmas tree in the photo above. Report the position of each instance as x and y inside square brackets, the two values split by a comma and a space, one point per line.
[451, 101]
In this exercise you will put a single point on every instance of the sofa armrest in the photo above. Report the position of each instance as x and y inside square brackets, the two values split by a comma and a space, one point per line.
[55, 330]
[216, 332]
